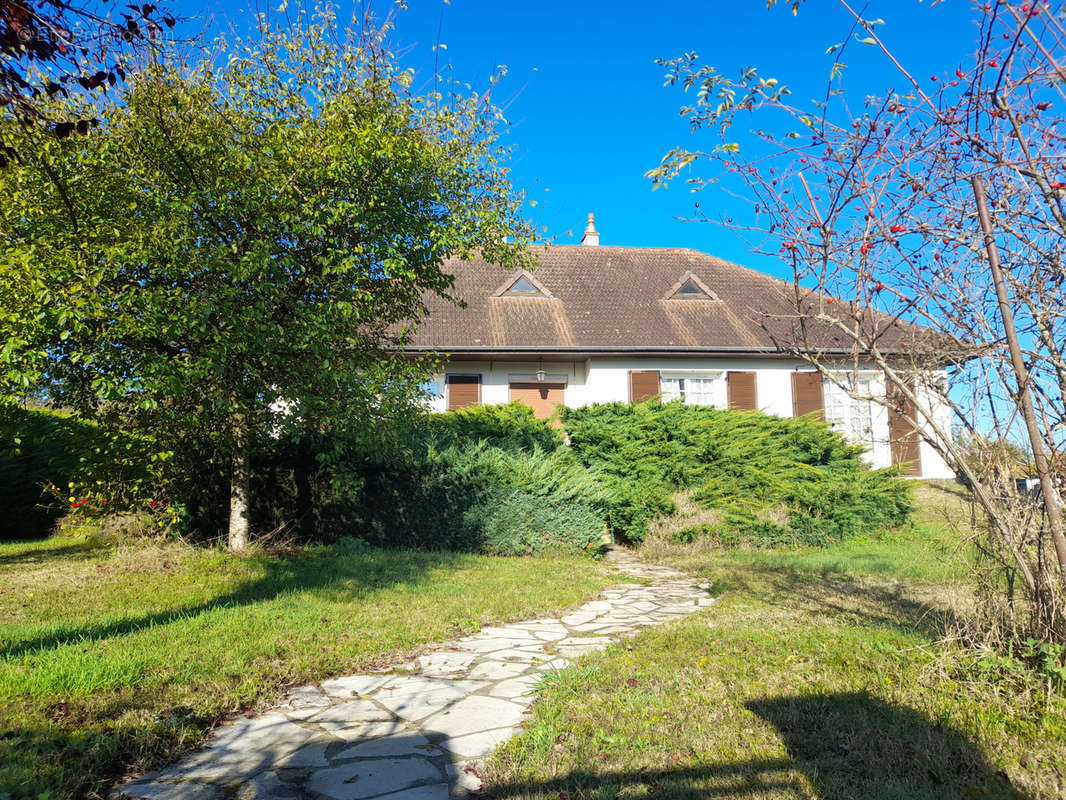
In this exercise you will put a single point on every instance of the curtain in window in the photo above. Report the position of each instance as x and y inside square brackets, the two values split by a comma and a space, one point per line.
[848, 415]
[694, 391]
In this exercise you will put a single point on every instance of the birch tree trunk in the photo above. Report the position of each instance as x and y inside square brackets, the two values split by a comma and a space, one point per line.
[240, 489]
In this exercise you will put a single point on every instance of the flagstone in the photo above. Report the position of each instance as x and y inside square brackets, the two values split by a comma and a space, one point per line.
[312, 754]
[415, 697]
[267, 786]
[497, 670]
[485, 645]
[369, 778]
[514, 655]
[352, 713]
[516, 688]
[464, 778]
[406, 744]
[363, 731]
[476, 745]
[437, 791]
[475, 713]
[552, 634]
[355, 685]
[505, 633]
[241, 750]
[442, 664]
[306, 697]
[157, 790]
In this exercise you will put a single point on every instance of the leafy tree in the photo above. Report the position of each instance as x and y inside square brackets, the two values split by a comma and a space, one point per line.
[242, 246]
[938, 201]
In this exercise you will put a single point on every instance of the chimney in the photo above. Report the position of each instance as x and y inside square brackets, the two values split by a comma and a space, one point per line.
[591, 237]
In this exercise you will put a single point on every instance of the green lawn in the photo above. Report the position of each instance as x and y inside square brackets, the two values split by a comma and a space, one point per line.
[820, 673]
[114, 659]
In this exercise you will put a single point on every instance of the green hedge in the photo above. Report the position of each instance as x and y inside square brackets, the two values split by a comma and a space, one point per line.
[41, 453]
[776, 480]
[511, 427]
[494, 478]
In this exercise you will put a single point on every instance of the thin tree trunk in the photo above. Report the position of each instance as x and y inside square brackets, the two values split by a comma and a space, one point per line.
[1024, 398]
[240, 489]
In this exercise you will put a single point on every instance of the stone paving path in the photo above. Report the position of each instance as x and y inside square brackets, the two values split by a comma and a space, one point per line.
[417, 731]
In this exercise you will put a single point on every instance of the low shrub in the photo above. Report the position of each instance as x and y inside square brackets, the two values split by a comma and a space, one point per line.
[438, 489]
[512, 522]
[776, 480]
[510, 427]
[691, 533]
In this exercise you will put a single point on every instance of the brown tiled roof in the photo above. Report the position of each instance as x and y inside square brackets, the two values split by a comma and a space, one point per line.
[614, 299]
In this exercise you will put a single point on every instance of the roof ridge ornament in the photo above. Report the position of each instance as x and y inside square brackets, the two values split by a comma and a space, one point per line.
[591, 238]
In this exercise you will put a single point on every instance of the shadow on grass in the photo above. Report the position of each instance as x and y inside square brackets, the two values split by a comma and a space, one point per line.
[872, 601]
[855, 745]
[332, 570]
[848, 746]
[45, 555]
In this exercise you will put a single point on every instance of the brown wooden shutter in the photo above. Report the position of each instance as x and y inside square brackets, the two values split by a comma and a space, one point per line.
[643, 385]
[741, 389]
[807, 394]
[904, 439]
[463, 390]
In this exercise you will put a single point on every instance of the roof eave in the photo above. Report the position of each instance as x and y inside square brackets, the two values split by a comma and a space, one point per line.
[657, 350]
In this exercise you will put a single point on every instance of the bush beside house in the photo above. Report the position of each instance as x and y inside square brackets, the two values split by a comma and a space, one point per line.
[774, 480]
[494, 479]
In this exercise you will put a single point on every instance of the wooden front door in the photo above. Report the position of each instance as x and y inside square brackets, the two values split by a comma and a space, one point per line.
[541, 397]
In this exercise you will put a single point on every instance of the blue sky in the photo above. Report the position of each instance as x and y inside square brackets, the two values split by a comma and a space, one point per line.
[587, 104]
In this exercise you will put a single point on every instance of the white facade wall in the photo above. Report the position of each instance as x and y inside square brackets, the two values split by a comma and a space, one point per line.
[606, 380]
[933, 466]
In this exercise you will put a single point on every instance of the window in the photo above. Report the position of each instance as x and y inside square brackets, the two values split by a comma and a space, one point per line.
[463, 390]
[851, 416]
[693, 390]
[690, 287]
[523, 286]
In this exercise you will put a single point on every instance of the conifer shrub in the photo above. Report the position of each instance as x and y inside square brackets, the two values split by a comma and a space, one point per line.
[481, 482]
[511, 426]
[512, 522]
[776, 480]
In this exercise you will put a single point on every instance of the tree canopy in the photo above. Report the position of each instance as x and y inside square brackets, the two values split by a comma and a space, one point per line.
[245, 240]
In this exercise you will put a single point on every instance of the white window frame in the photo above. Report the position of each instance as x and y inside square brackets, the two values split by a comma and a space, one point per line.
[853, 417]
[714, 390]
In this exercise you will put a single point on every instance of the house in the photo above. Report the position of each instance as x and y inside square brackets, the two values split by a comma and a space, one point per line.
[595, 324]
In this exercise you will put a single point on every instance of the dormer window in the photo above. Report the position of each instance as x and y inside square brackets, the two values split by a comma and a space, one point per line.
[690, 287]
[522, 284]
